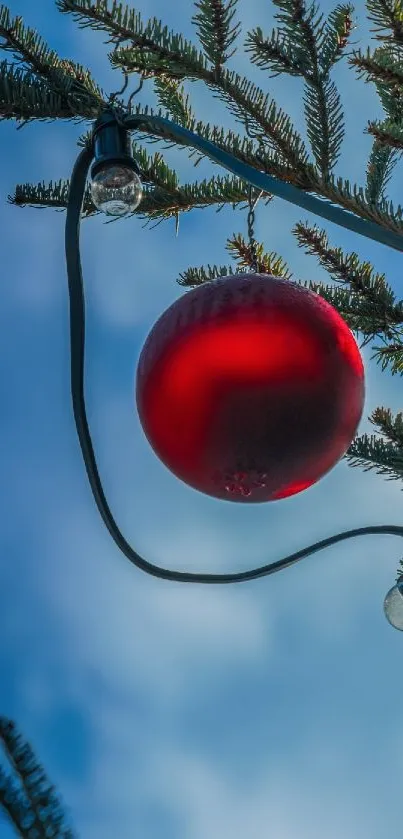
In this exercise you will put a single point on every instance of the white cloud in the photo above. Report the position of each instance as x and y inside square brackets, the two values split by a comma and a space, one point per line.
[161, 621]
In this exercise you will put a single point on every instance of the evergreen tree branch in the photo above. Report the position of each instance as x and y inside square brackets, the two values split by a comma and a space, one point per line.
[277, 53]
[215, 32]
[335, 37]
[265, 118]
[24, 98]
[66, 78]
[370, 452]
[380, 67]
[300, 30]
[124, 24]
[17, 809]
[297, 169]
[381, 163]
[173, 97]
[165, 200]
[387, 133]
[384, 68]
[299, 53]
[339, 191]
[386, 14]
[391, 356]
[359, 314]
[349, 270]
[324, 121]
[244, 100]
[391, 427]
[267, 263]
[44, 805]
[154, 51]
[193, 277]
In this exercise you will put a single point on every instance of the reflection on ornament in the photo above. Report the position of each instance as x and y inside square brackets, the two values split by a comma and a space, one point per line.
[250, 388]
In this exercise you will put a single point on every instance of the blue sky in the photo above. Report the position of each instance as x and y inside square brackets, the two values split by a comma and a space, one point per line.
[269, 709]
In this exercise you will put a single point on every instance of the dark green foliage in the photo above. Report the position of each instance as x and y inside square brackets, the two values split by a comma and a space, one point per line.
[26, 795]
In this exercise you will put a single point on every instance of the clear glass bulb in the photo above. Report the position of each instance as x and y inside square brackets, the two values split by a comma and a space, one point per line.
[116, 190]
[393, 606]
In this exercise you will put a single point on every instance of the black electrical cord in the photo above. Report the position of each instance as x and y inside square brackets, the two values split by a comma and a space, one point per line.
[77, 339]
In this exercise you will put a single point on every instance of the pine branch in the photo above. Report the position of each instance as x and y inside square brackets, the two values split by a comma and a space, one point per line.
[154, 41]
[384, 68]
[282, 52]
[65, 78]
[349, 269]
[43, 802]
[24, 98]
[155, 51]
[245, 100]
[325, 123]
[387, 133]
[381, 164]
[391, 427]
[164, 201]
[215, 32]
[369, 452]
[339, 192]
[335, 37]
[277, 53]
[358, 313]
[301, 29]
[173, 98]
[265, 119]
[391, 356]
[299, 53]
[360, 276]
[193, 277]
[17, 809]
[381, 67]
[267, 263]
[387, 14]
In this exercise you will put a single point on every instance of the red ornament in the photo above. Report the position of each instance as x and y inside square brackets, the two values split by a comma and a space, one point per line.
[250, 388]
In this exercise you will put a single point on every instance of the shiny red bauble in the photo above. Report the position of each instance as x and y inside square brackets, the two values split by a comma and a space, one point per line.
[250, 388]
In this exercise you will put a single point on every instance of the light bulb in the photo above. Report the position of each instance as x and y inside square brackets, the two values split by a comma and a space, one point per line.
[393, 605]
[116, 190]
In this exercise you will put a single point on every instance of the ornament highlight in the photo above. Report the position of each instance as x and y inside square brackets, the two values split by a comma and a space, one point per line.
[250, 388]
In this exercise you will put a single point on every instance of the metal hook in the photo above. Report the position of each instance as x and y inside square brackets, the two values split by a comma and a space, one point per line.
[126, 82]
[129, 103]
[252, 205]
[251, 222]
[119, 92]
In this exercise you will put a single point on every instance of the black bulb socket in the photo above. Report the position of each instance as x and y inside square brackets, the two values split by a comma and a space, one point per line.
[112, 145]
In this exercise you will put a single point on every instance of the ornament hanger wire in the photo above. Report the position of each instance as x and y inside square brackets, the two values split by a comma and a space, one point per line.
[252, 204]
[251, 223]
